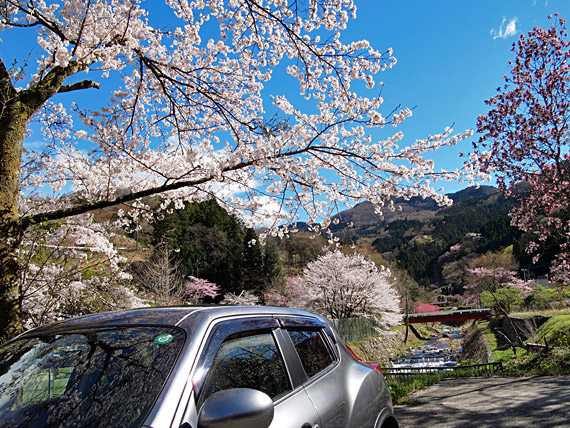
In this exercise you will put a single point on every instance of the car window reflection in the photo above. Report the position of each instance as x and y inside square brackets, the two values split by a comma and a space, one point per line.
[92, 378]
[247, 362]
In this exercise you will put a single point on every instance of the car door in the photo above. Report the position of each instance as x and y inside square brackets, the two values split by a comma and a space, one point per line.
[245, 353]
[325, 387]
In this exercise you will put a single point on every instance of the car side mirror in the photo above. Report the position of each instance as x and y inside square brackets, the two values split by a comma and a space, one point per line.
[236, 408]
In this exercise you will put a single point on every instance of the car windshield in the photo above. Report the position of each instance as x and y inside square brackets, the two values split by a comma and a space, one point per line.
[90, 378]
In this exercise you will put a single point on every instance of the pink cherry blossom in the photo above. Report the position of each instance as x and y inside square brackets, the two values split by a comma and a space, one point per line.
[197, 289]
[426, 308]
[491, 279]
[524, 141]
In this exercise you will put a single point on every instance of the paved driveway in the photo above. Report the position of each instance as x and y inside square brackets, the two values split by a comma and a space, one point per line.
[541, 402]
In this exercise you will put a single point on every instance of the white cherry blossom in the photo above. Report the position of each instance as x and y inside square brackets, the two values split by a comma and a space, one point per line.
[174, 98]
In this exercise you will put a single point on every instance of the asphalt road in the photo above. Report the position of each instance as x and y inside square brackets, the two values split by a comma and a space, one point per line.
[537, 402]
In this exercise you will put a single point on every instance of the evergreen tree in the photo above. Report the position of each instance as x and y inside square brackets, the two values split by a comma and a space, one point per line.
[214, 245]
[272, 271]
[252, 264]
[209, 242]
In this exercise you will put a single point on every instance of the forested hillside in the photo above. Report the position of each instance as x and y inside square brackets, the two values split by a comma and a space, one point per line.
[209, 243]
[422, 237]
[434, 245]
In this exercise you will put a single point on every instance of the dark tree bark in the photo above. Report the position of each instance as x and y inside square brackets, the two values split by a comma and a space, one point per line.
[16, 109]
[13, 119]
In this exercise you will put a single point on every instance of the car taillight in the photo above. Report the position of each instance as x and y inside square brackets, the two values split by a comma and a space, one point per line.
[371, 364]
[375, 366]
[351, 352]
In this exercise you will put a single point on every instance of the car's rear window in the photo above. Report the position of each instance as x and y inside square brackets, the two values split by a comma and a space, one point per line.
[313, 352]
[97, 378]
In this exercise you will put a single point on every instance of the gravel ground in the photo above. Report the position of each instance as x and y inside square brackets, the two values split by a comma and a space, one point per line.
[497, 402]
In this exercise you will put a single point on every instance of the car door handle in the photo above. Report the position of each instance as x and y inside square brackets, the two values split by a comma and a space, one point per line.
[308, 425]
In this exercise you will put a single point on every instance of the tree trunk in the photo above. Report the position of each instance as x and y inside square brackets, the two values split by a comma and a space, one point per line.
[10, 288]
[13, 120]
[16, 109]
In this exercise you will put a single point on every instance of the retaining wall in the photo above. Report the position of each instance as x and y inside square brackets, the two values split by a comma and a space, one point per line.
[526, 327]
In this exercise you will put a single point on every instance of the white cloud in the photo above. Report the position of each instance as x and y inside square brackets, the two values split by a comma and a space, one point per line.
[507, 29]
[268, 213]
[270, 207]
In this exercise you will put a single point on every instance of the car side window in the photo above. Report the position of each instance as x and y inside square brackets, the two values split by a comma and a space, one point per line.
[251, 361]
[312, 349]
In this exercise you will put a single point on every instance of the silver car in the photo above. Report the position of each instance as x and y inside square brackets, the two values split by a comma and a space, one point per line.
[190, 367]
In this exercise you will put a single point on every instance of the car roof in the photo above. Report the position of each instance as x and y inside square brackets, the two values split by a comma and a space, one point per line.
[165, 316]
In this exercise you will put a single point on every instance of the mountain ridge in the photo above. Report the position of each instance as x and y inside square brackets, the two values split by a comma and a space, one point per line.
[416, 208]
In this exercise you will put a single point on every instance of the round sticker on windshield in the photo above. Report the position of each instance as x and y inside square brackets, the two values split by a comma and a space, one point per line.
[163, 339]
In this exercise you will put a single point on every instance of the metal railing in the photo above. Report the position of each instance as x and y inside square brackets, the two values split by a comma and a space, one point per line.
[413, 371]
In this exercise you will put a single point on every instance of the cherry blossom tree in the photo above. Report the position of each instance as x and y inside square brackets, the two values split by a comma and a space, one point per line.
[161, 278]
[490, 272]
[198, 289]
[288, 294]
[423, 308]
[245, 297]
[492, 279]
[71, 269]
[525, 140]
[191, 114]
[499, 287]
[344, 286]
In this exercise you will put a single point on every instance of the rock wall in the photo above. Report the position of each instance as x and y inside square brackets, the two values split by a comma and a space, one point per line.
[380, 348]
[475, 348]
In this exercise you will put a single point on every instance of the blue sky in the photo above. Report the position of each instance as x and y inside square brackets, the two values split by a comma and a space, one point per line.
[452, 55]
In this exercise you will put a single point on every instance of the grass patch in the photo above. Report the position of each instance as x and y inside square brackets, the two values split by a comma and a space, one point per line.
[400, 389]
[408, 401]
[498, 344]
[556, 331]
[546, 313]
[553, 363]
